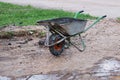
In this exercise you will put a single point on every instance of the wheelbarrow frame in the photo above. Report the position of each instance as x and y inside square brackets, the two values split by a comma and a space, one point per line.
[50, 29]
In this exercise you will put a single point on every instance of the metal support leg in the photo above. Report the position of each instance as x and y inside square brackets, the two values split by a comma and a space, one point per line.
[83, 45]
[47, 37]
[67, 43]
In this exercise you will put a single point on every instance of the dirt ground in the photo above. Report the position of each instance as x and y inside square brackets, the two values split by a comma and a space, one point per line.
[93, 7]
[19, 58]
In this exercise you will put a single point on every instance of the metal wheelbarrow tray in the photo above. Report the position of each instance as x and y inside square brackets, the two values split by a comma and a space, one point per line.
[62, 29]
[66, 26]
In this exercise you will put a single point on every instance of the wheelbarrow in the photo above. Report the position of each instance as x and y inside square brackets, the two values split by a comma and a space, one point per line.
[60, 31]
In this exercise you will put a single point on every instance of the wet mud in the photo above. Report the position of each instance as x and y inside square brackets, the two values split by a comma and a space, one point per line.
[22, 58]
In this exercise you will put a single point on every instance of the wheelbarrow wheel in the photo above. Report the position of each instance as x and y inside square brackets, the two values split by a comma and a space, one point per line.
[57, 49]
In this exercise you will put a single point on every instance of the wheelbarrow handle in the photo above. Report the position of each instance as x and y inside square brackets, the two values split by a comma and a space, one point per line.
[104, 16]
[78, 13]
[81, 11]
[95, 23]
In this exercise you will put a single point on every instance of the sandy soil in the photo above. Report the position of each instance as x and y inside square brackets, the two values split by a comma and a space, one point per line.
[93, 7]
[19, 59]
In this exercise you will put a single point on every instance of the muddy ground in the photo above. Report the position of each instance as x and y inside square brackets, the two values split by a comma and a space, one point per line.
[23, 56]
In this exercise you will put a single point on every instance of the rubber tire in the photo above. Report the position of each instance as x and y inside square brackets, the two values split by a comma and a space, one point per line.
[52, 49]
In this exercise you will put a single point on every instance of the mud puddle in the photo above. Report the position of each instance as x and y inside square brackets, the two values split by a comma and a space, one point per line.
[106, 69]
[4, 78]
[34, 77]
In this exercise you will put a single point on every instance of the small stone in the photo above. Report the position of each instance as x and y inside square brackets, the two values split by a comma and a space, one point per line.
[41, 42]
[30, 39]
[32, 50]
[19, 46]
[31, 32]
[23, 42]
[9, 44]
[20, 62]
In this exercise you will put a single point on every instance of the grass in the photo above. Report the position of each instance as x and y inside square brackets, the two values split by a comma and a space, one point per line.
[11, 14]
[119, 19]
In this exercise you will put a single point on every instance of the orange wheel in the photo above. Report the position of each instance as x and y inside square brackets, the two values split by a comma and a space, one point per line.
[57, 49]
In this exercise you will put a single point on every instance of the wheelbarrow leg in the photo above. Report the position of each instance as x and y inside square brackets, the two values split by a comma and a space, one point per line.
[47, 36]
[83, 44]
[67, 43]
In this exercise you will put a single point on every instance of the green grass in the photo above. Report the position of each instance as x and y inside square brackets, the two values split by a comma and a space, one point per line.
[26, 15]
[119, 19]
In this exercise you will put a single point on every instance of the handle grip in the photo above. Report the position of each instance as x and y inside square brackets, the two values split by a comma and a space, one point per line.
[81, 11]
[78, 13]
[104, 16]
